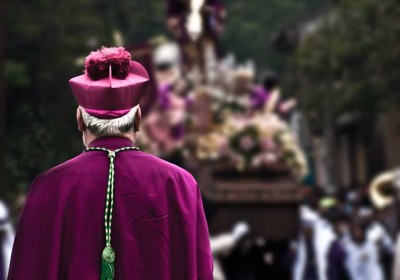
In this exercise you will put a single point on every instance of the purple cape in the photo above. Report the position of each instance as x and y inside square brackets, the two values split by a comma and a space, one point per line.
[159, 230]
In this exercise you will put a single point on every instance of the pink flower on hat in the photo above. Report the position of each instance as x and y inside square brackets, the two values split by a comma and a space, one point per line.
[97, 63]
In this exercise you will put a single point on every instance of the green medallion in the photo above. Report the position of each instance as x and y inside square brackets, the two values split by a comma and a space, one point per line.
[108, 254]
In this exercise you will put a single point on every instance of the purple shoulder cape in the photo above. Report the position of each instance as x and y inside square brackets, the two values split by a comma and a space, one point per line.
[159, 229]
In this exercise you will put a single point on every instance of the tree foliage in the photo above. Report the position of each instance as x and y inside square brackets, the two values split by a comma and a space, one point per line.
[251, 26]
[352, 61]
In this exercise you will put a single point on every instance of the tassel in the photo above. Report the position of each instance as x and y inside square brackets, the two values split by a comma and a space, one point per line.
[108, 254]
[107, 263]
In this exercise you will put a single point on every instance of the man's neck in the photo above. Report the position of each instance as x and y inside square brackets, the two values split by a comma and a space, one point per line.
[89, 137]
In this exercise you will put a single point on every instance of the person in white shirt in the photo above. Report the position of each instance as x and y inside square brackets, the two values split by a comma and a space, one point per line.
[311, 252]
[362, 259]
[223, 243]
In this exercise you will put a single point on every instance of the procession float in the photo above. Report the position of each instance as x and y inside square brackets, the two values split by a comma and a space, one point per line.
[212, 118]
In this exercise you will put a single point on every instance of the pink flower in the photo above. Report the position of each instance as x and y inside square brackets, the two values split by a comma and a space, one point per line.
[270, 158]
[223, 146]
[267, 144]
[246, 142]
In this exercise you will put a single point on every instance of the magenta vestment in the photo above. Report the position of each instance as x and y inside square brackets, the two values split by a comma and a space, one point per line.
[159, 230]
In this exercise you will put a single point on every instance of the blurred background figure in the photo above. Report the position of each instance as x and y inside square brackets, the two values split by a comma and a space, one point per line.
[223, 244]
[362, 255]
[6, 240]
[378, 235]
[165, 122]
[312, 248]
[337, 255]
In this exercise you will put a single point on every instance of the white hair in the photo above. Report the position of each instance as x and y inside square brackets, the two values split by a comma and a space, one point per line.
[110, 127]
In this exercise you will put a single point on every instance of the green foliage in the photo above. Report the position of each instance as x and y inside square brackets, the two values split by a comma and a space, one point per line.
[16, 74]
[352, 62]
[29, 148]
[251, 26]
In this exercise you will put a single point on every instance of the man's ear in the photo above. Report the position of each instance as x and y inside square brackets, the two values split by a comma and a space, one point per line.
[137, 120]
[79, 120]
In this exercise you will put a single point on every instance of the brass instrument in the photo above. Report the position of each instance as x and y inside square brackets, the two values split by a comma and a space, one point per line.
[384, 188]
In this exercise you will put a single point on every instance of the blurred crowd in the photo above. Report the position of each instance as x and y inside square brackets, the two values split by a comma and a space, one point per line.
[343, 237]
[340, 236]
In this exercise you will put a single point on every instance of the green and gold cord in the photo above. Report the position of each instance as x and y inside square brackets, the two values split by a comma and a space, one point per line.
[108, 254]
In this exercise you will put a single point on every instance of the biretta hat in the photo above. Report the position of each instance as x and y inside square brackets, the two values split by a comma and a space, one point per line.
[111, 85]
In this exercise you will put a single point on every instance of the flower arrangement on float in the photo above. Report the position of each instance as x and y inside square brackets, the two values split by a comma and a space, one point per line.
[255, 143]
